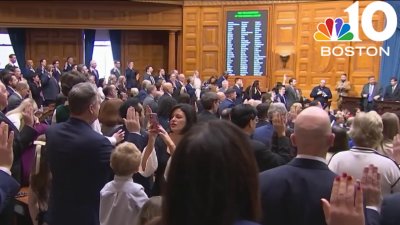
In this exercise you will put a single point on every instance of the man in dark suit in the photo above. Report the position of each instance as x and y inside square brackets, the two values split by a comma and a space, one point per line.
[244, 116]
[8, 185]
[281, 96]
[229, 101]
[29, 70]
[79, 161]
[130, 73]
[392, 92]
[50, 87]
[22, 139]
[21, 91]
[94, 71]
[390, 210]
[371, 92]
[12, 64]
[239, 90]
[68, 66]
[148, 76]
[321, 93]
[210, 103]
[41, 70]
[11, 83]
[291, 194]
[117, 69]
[292, 93]
[56, 71]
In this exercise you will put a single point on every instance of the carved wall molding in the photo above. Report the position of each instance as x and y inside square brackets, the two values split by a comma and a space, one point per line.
[235, 3]
[94, 15]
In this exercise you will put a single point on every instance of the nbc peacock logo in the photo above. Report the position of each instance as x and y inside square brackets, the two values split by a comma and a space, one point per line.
[333, 30]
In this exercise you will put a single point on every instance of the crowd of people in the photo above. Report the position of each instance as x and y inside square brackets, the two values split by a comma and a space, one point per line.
[159, 148]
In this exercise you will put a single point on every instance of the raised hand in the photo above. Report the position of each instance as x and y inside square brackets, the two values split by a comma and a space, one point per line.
[279, 123]
[29, 116]
[132, 122]
[346, 205]
[6, 146]
[119, 135]
[371, 181]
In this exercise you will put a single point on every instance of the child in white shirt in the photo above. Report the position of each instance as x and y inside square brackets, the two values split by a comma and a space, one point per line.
[122, 199]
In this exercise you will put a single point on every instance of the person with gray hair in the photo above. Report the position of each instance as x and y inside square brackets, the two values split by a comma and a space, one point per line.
[264, 133]
[366, 133]
[79, 161]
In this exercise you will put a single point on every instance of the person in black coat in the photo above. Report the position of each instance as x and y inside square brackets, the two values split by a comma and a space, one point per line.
[36, 90]
[390, 210]
[321, 93]
[79, 160]
[210, 103]
[50, 87]
[56, 70]
[244, 116]
[238, 87]
[392, 91]
[131, 76]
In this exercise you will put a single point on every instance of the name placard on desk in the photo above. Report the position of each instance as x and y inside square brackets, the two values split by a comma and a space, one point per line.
[246, 42]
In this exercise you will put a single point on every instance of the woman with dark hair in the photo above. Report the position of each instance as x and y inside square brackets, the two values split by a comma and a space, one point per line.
[181, 118]
[165, 105]
[35, 87]
[341, 142]
[213, 178]
[255, 92]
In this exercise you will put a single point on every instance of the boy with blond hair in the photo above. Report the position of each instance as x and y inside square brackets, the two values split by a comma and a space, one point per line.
[122, 199]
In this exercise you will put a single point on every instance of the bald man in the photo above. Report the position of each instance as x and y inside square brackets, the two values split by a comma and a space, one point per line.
[291, 194]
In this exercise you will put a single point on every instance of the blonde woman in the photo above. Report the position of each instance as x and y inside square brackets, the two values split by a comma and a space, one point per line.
[15, 115]
[366, 134]
[390, 130]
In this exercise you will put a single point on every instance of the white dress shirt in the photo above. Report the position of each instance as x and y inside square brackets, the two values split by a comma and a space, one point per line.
[121, 201]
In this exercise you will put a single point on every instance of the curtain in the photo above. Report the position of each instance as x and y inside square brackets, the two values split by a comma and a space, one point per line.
[390, 65]
[115, 38]
[89, 45]
[18, 42]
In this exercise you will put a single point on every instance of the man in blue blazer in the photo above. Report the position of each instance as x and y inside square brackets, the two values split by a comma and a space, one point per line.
[291, 194]
[79, 159]
[229, 101]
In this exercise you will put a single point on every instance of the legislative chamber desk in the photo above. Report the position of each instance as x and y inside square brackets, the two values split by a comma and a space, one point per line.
[354, 103]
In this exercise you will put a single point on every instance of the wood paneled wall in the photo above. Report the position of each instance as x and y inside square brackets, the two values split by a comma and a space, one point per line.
[90, 14]
[54, 44]
[291, 30]
[145, 48]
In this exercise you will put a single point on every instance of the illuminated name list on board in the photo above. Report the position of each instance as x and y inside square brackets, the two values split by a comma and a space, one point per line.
[246, 42]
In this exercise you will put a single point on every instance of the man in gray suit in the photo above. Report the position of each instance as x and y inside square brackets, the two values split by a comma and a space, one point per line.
[372, 91]
[21, 91]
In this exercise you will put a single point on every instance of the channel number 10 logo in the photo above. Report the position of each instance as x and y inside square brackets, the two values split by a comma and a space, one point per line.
[337, 30]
